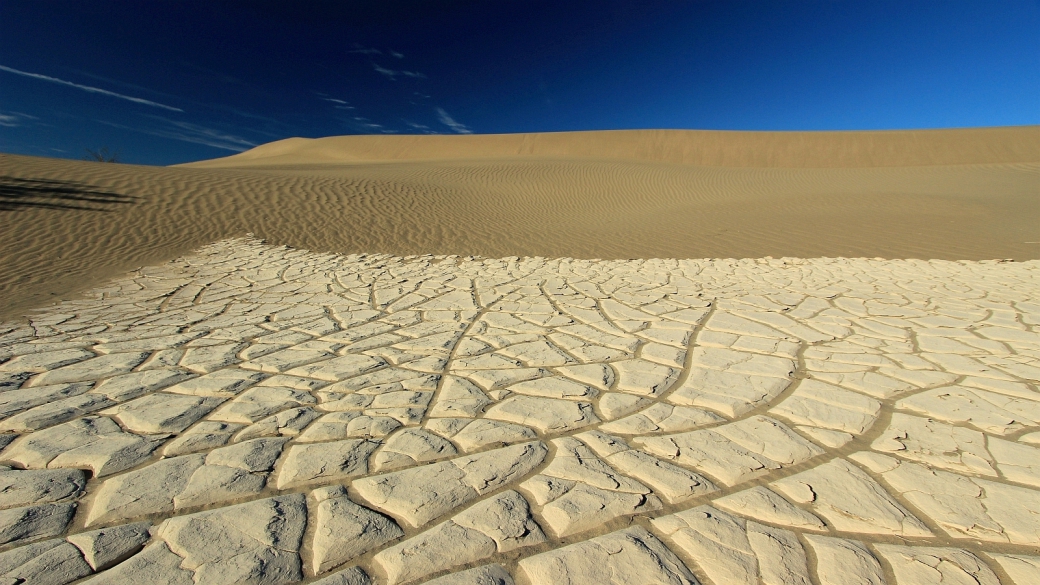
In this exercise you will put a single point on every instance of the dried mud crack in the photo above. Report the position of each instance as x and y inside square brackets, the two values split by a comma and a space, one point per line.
[260, 414]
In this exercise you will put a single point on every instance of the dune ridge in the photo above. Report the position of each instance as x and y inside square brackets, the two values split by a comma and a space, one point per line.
[716, 148]
[66, 226]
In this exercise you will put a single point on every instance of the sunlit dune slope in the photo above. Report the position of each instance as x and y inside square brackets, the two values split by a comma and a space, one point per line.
[889, 148]
[954, 194]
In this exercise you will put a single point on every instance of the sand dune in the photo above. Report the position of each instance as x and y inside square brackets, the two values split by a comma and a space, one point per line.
[712, 148]
[955, 194]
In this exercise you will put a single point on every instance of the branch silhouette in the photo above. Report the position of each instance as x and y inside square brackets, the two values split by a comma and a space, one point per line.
[101, 155]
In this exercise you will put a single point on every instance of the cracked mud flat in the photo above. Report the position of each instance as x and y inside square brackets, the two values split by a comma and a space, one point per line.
[258, 414]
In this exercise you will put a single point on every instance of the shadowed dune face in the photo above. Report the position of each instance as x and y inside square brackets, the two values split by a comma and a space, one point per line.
[53, 242]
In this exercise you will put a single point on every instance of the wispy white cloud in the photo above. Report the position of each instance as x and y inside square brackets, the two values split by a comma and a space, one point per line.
[193, 133]
[363, 50]
[392, 74]
[363, 125]
[450, 122]
[366, 124]
[14, 119]
[338, 103]
[387, 72]
[90, 89]
[212, 137]
[421, 128]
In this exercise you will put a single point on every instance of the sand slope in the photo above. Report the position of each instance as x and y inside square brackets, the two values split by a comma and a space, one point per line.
[66, 225]
[889, 148]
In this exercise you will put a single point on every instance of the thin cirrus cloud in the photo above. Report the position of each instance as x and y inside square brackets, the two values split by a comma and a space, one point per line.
[365, 122]
[361, 50]
[14, 119]
[422, 128]
[339, 104]
[90, 89]
[392, 74]
[450, 122]
[193, 133]
[363, 125]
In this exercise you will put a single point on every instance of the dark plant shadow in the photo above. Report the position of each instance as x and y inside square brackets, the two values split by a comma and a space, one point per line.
[18, 194]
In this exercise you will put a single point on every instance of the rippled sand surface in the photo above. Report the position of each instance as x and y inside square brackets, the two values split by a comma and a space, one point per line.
[956, 194]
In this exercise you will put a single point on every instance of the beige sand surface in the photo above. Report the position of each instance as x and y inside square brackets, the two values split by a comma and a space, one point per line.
[259, 414]
[902, 148]
[955, 194]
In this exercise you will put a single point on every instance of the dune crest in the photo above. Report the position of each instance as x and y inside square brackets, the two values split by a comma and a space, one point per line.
[714, 148]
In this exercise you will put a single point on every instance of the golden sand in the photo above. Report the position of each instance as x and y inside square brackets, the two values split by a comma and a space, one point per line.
[946, 194]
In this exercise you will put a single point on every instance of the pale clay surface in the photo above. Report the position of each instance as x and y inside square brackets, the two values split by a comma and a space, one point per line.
[257, 414]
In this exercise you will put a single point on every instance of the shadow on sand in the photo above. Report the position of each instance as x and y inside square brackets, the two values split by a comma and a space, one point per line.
[18, 194]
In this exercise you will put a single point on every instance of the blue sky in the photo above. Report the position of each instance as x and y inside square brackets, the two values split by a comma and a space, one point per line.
[167, 81]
